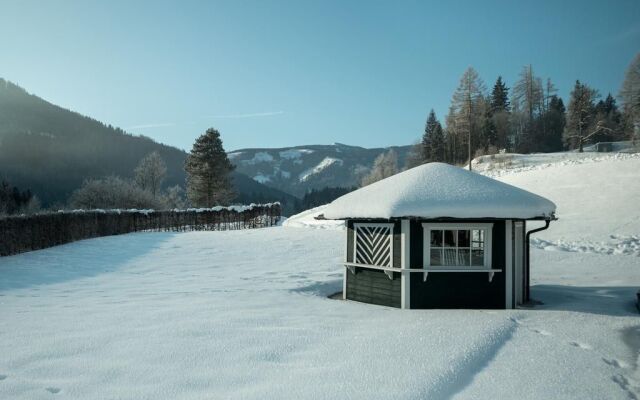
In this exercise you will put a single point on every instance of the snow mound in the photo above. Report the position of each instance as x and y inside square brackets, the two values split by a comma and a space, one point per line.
[324, 164]
[306, 219]
[438, 190]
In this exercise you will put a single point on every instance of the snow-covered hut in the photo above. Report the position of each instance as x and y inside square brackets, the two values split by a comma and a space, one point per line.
[439, 236]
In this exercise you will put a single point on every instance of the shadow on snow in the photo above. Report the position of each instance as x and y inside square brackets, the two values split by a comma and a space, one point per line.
[602, 300]
[81, 259]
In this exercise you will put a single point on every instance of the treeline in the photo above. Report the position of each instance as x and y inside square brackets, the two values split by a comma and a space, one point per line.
[318, 197]
[527, 117]
[14, 200]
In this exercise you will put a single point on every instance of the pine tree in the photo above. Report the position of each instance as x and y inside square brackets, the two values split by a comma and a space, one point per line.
[608, 115]
[150, 173]
[555, 120]
[580, 116]
[438, 145]
[500, 97]
[427, 136]
[208, 172]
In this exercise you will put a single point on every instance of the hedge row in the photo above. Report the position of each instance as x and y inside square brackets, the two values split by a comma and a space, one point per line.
[25, 233]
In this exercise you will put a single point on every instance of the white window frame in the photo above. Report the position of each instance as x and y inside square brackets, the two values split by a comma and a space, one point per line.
[388, 225]
[426, 254]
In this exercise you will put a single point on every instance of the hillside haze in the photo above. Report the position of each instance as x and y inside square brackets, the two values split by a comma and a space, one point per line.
[51, 151]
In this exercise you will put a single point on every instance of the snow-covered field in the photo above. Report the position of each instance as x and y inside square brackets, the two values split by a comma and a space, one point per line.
[244, 314]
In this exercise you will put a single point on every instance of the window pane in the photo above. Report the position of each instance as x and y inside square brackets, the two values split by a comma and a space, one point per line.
[449, 257]
[463, 257]
[449, 238]
[464, 238]
[436, 257]
[477, 239]
[436, 238]
[477, 258]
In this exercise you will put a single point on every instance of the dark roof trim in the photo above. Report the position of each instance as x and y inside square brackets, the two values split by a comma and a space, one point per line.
[444, 219]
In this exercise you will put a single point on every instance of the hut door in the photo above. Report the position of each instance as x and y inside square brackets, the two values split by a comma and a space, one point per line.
[518, 265]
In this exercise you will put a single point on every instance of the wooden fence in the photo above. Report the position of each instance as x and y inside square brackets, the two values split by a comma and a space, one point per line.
[25, 233]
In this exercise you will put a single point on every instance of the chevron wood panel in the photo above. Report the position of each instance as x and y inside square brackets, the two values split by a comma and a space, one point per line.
[373, 245]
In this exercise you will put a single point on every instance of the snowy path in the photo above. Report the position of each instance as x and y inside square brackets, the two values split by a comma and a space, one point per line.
[244, 315]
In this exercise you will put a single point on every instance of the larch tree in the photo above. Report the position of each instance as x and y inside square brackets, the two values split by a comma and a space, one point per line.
[580, 116]
[209, 172]
[150, 173]
[465, 108]
[630, 96]
[528, 102]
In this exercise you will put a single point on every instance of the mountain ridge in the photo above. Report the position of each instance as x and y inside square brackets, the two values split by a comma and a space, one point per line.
[51, 150]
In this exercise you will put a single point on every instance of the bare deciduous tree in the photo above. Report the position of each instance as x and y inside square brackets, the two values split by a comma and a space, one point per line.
[466, 107]
[150, 173]
[112, 192]
[384, 166]
[630, 95]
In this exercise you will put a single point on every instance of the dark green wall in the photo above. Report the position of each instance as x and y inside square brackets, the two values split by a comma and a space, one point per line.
[373, 286]
[458, 289]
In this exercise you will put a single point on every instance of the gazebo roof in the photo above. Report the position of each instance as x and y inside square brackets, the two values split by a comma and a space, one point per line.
[438, 190]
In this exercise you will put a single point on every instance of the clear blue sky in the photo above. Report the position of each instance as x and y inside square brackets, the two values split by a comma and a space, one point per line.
[280, 73]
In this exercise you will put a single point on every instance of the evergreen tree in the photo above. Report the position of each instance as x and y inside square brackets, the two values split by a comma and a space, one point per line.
[555, 120]
[580, 116]
[438, 145]
[427, 136]
[488, 133]
[500, 97]
[608, 116]
[208, 172]
[433, 143]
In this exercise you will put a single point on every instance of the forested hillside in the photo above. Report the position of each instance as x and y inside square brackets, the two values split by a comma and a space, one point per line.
[50, 151]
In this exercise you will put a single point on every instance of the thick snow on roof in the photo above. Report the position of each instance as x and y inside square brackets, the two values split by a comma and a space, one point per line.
[438, 190]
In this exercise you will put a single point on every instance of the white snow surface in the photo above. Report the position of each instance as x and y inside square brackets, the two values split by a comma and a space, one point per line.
[244, 315]
[307, 219]
[438, 190]
[322, 165]
[261, 178]
[294, 153]
[259, 157]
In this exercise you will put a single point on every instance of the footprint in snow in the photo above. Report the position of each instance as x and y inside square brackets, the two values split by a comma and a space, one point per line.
[580, 345]
[53, 390]
[2, 377]
[615, 363]
[542, 332]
